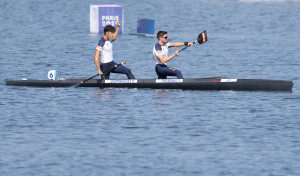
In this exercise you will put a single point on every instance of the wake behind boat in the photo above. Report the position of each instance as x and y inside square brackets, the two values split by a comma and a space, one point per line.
[213, 83]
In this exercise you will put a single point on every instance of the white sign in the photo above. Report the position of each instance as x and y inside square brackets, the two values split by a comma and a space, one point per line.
[168, 80]
[228, 80]
[121, 81]
[52, 75]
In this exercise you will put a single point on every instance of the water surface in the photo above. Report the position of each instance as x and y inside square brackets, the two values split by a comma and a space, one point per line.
[92, 131]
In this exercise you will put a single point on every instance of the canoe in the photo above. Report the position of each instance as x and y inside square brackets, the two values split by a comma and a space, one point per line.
[212, 83]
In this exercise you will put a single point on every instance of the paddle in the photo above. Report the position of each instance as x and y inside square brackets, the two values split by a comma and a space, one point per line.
[78, 84]
[202, 38]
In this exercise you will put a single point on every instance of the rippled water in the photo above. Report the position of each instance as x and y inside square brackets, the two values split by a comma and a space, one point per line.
[91, 131]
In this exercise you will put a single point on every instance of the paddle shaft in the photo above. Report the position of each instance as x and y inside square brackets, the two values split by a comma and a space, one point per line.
[90, 78]
[78, 84]
[188, 46]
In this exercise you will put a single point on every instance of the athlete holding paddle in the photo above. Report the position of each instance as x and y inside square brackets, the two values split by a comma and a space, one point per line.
[160, 55]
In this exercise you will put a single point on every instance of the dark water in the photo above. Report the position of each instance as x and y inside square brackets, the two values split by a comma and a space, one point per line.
[91, 131]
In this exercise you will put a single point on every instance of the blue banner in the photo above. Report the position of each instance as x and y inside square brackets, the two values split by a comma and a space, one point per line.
[109, 15]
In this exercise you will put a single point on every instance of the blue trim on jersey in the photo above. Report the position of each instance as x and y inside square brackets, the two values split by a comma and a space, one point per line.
[158, 47]
[101, 42]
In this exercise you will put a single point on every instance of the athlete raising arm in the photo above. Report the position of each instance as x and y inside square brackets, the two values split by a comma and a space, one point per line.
[104, 51]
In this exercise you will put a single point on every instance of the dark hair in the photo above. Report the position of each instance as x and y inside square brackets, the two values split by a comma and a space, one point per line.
[160, 34]
[109, 28]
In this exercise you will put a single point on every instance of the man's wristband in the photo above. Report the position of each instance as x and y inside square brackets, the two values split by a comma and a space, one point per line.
[186, 43]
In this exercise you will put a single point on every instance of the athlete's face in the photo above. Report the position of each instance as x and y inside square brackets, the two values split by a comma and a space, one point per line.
[164, 38]
[110, 34]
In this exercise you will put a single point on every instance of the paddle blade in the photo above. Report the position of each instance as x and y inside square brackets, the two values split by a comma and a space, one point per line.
[202, 37]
